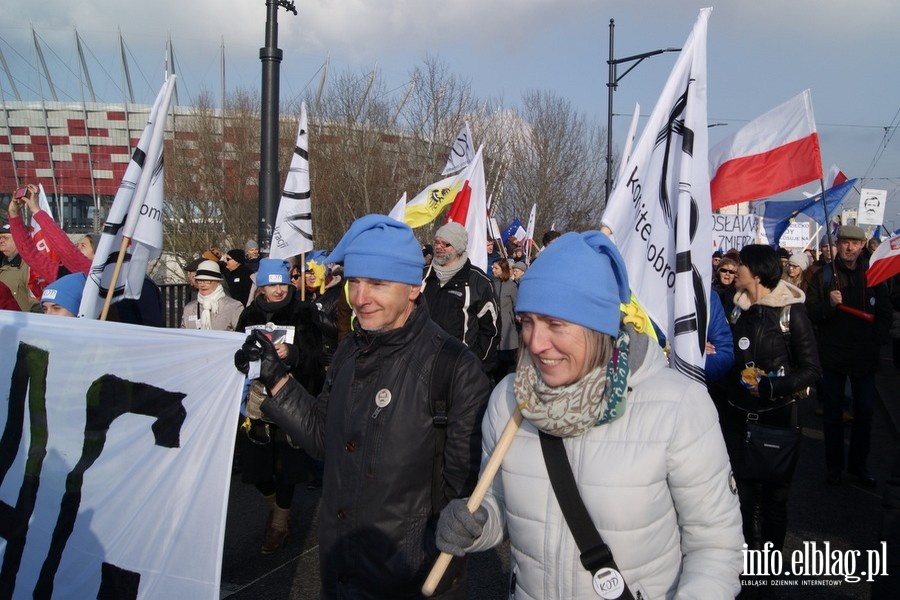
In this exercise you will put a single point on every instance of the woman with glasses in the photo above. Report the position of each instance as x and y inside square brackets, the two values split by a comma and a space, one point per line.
[796, 270]
[723, 283]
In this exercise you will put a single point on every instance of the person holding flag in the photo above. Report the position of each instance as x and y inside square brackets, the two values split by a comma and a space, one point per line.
[639, 443]
[852, 319]
[74, 258]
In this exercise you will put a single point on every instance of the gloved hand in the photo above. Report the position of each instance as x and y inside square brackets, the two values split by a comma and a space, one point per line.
[457, 528]
[247, 354]
[259, 347]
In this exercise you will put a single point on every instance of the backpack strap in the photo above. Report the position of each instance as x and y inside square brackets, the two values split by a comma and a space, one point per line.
[440, 395]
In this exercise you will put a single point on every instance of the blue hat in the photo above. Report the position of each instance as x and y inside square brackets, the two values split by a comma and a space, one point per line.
[378, 247]
[66, 292]
[580, 278]
[273, 271]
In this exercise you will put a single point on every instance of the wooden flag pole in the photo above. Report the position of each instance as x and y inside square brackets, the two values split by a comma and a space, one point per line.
[303, 277]
[115, 277]
[487, 477]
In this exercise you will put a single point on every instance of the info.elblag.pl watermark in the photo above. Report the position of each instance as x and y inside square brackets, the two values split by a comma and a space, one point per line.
[814, 564]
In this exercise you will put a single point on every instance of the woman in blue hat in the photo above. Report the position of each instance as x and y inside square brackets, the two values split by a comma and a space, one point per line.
[641, 441]
[268, 458]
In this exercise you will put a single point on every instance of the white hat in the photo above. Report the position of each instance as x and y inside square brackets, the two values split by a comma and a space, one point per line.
[208, 271]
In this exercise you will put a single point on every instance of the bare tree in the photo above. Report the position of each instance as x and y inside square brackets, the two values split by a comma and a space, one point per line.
[555, 161]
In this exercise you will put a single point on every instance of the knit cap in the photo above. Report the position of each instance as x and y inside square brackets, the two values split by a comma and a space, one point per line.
[454, 234]
[208, 271]
[801, 259]
[378, 247]
[66, 292]
[580, 278]
[273, 271]
[251, 245]
[236, 255]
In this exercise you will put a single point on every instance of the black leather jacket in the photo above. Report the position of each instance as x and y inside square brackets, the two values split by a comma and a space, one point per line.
[376, 523]
[758, 337]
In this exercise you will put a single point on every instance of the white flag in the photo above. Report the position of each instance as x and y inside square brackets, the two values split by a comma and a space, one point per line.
[398, 213]
[462, 153]
[659, 212]
[136, 213]
[122, 447]
[293, 226]
[529, 234]
[629, 141]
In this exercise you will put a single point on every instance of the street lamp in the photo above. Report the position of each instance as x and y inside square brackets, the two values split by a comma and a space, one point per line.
[613, 84]
[269, 179]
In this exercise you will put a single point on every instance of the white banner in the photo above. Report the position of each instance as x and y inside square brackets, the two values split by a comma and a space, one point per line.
[115, 459]
[733, 232]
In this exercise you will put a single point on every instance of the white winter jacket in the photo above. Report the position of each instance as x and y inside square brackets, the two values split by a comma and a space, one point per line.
[656, 481]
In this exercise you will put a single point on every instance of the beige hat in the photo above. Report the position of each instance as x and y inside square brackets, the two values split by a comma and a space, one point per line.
[851, 232]
[801, 259]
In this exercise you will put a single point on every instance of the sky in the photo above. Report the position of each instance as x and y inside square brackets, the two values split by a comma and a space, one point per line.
[760, 54]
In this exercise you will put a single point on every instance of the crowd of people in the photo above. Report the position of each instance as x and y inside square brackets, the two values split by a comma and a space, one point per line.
[392, 374]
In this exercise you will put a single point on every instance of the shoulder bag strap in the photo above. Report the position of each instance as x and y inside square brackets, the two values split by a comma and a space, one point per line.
[595, 554]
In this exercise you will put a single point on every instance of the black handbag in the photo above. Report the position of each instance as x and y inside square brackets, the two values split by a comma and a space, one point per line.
[768, 453]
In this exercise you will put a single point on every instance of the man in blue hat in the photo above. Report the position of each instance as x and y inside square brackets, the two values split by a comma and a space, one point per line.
[398, 423]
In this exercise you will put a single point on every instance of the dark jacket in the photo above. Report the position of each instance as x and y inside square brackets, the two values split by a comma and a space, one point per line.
[239, 283]
[466, 309]
[376, 523]
[305, 359]
[758, 338]
[506, 293]
[847, 343]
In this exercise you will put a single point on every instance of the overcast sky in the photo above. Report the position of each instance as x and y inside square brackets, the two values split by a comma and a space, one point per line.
[760, 54]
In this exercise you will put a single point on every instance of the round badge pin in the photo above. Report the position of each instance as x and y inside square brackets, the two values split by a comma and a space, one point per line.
[383, 398]
[744, 343]
[608, 583]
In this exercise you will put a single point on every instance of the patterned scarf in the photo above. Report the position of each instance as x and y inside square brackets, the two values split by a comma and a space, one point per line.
[570, 410]
[210, 306]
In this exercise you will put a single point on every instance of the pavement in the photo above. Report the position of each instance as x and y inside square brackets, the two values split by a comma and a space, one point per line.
[846, 517]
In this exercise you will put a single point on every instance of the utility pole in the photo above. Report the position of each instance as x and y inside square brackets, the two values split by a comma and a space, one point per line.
[269, 178]
[613, 83]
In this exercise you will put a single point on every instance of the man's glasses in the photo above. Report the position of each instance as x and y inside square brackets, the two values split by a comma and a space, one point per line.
[728, 271]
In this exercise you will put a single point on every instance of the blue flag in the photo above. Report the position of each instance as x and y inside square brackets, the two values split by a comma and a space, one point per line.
[779, 215]
[511, 230]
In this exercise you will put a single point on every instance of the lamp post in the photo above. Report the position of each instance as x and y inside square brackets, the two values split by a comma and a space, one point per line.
[613, 84]
[269, 179]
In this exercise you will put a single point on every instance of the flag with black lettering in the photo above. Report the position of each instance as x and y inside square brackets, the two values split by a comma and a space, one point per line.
[293, 233]
[659, 211]
[136, 213]
[116, 461]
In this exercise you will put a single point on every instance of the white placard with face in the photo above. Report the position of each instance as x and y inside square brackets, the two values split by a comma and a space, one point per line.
[871, 206]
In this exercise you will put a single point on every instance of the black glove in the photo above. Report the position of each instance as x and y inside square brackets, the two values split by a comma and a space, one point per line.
[457, 528]
[259, 347]
[248, 353]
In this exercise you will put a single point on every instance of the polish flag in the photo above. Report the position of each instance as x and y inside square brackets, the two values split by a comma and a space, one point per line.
[884, 262]
[775, 152]
[469, 209]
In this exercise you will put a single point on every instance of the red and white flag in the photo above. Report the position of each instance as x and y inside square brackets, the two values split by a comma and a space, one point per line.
[775, 152]
[884, 262]
[469, 209]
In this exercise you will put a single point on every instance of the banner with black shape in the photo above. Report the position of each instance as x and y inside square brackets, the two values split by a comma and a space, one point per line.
[115, 458]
